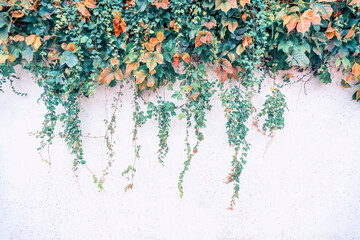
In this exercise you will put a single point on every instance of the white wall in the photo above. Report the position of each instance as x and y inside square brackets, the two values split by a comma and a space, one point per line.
[306, 187]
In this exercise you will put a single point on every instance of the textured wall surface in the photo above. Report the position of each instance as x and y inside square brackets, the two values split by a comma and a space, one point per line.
[306, 186]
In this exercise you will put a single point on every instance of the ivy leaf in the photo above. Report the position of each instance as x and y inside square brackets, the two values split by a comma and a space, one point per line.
[69, 58]
[186, 57]
[3, 21]
[140, 76]
[223, 69]
[351, 32]
[28, 54]
[232, 25]
[246, 42]
[152, 59]
[4, 33]
[290, 22]
[82, 9]
[298, 58]
[353, 2]
[356, 70]
[325, 10]
[30, 39]
[118, 74]
[203, 37]
[3, 58]
[131, 67]
[90, 4]
[285, 46]
[303, 25]
[37, 43]
[176, 60]
[225, 6]
[151, 81]
[106, 76]
[243, 2]
[325, 76]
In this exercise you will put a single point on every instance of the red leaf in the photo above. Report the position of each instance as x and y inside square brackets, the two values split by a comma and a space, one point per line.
[176, 60]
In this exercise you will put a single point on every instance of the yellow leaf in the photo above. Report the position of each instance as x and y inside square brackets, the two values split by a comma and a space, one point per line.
[30, 39]
[17, 14]
[12, 58]
[37, 43]
[3, 58]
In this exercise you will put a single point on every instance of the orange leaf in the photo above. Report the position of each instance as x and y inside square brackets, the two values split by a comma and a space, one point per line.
[348, 78]
[90, 4]
[195, 96]
[164, 4]
[118, 74]
[232, 25]
[72, 47]
[209, 25]
[246, 41]
[150, 81]
[176, 60]
[140, 76]
[17, 14]
[131, 67]
[350, 33]
[353, 2]
[114, 61]
[226, 65]
[222, 75]
[243, 2]
[330, 32]
[17, 38]
[172, 23]
[356, 70]
[186, 57]
[160, 36]
[244, 16]
[106, 75]
[303, 25]
[153, 42]
[203, 37]
[82, 9]
[292, 24]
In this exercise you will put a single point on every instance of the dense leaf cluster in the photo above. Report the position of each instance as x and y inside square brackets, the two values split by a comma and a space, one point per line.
[73, 47]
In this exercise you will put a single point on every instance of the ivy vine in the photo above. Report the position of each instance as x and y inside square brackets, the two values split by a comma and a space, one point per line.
[72, 47]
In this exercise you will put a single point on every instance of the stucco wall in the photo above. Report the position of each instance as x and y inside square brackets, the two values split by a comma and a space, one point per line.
[307, 186]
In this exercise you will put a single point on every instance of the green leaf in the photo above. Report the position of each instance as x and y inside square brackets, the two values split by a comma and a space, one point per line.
[325, 76]
[28, 54]
[3, 21]
[298, 58]
[325, 10]
[69, 58]
[4, 33]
